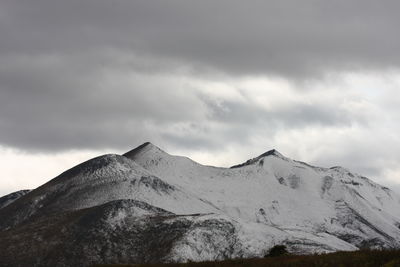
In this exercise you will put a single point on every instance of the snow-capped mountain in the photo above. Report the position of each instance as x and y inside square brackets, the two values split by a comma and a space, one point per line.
[149, 206]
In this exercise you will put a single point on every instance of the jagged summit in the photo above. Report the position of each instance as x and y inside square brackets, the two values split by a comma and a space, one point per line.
[143, 149]
[272, 152]
[150, 151]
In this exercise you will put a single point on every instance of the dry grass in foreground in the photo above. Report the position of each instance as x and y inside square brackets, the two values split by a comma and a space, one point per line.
[363, 258]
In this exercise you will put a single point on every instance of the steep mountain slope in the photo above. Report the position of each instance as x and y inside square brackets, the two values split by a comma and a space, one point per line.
[98, 181]
[119, 208]
[8, 199]
[122, 231]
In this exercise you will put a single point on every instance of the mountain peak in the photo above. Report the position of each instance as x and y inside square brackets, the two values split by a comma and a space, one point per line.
[143, 148]
[272, 152]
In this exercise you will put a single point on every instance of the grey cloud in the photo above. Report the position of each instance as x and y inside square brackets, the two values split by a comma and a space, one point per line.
[56, 105]
[296, 115]
[285, 38]
[57, 102]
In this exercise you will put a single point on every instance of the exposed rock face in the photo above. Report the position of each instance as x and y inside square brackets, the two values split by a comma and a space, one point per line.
[10, 198]
[148, 206]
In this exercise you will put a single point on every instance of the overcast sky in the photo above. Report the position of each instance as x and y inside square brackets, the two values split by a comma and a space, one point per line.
[219, 81]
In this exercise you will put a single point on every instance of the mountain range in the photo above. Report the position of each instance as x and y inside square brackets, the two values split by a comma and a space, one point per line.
[148, 206]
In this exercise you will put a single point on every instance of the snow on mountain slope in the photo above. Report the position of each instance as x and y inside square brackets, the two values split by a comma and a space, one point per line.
[120, 231]
[97, 181]
[216, 212]
[289, 195]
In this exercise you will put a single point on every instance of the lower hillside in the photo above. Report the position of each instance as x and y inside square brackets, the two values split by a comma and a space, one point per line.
[363, 258]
